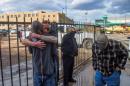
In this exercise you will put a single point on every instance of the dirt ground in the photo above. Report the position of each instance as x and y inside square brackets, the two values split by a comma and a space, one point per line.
[13, 52]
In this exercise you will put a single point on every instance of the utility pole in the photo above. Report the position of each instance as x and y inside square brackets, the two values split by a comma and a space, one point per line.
[66, 11]
[63, 14]
[66, 6]
[86, 13]
[62, 10]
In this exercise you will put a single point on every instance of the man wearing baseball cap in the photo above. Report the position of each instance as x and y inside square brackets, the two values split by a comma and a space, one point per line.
[109, 58]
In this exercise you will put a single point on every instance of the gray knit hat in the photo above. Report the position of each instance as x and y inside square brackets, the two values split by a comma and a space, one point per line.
[102, 41]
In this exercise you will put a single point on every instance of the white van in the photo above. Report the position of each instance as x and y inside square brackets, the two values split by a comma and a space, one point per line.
[84, 39]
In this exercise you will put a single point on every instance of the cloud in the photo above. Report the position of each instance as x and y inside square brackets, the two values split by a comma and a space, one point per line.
[119, 7]
[88, 4]
[30, 5]
[76, 8]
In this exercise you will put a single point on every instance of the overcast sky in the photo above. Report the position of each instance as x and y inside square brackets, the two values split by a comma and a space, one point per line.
[79, 10]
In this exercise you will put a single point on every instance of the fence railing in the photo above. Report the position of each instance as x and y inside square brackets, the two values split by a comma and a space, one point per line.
[16, 61]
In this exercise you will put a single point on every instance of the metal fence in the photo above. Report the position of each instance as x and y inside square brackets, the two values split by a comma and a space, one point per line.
[16, 61]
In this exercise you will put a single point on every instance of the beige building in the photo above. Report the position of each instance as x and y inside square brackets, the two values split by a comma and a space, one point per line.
[28, 16]
[125, 19]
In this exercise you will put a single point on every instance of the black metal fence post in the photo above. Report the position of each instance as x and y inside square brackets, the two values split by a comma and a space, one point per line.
[94, 32]
[81, 59]
[18, 55]
[1, 66]
[10, 51]
[26, 53]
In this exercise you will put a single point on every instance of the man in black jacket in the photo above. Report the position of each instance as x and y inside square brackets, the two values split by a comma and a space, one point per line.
[70, 50]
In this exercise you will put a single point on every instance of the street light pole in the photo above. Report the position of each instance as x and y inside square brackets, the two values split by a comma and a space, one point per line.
[66, 6]
[86, 13]
[62, 11]
[66, 11]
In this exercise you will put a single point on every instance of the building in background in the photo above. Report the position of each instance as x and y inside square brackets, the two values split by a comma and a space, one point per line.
[114, 24]
[110, 21]
[31, 16]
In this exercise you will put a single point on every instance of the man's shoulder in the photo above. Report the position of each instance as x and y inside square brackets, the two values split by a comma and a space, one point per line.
[113, 42]
[66, 36]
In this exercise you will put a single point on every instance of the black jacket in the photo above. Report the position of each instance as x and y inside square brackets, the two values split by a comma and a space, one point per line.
[69, 45]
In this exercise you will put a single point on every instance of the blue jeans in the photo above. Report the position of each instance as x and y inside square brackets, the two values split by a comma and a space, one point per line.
[46, 80]
[112, 80]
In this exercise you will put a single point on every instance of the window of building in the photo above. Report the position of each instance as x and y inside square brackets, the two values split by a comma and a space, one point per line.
[48, 15]
[2, 16]
[14, 16]
[33, 15]
[36, 14]
[43, 12]
[54, 21]
[19, 15]
[25, 15]
[29, 15]
[43, 16]
[53, 15]
[11, 16]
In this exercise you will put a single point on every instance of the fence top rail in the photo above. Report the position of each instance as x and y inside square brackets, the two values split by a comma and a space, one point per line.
[17, 22]
[14, 22]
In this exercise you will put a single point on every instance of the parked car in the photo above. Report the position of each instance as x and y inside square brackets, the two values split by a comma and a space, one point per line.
[84, 39]
[4, 32]
[13, 31]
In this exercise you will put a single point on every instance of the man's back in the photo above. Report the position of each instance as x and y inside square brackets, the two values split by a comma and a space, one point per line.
[43, 57]
[69, 44]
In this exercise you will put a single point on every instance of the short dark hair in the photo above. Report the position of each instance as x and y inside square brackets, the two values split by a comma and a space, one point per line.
[36, 27]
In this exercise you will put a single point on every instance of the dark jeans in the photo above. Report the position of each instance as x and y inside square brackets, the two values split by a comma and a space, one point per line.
[45, 80]
[68, 64]
[112, 80]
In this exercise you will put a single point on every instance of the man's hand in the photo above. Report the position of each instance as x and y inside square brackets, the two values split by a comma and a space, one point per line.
[38, 44]
[34, 35]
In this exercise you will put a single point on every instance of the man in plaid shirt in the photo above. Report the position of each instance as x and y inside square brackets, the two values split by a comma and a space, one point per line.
[109, 58]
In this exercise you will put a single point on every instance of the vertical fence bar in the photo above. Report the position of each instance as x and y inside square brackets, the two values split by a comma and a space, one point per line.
[1, 66]
[84, 29]
[18, 52]
[81, 43]
[77, 56]
[60, 52]
[26, 54]
[79, 48]
[31, 55]
[81, 27]
[10, 52]
[94, 32]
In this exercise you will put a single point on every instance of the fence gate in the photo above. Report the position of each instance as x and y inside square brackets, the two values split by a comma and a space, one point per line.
[16, 61]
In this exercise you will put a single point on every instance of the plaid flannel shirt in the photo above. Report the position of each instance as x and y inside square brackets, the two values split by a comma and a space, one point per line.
[115, 55]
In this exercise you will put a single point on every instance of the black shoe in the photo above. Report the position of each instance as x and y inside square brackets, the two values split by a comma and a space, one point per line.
[72, 80]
